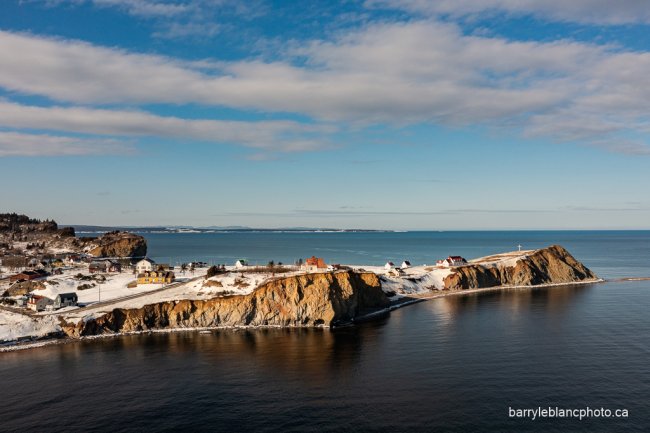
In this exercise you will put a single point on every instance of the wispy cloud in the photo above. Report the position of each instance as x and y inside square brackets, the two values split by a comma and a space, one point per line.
[580, 11]
[20, 144]
[175, 30]
[281, 135]
[358, 212]
[175, 19]
[145, 8]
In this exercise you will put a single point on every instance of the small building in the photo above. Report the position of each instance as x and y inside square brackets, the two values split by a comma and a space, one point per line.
[241, 263]
[452, 261]
[39, 303]
[97, 266]
[155, 277]
[28, 276]
[314, 264]
[114, 266]
[405, 264]
[164, 267]
[22, 301]
[395, 272]
[144, 265]
[389, 265]
[104, 266]
[65, 300]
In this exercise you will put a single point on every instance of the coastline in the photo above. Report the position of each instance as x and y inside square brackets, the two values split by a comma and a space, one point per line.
[412, 299]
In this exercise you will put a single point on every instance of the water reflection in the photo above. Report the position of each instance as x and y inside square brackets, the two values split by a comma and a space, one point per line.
[454, 362]
[553, 299]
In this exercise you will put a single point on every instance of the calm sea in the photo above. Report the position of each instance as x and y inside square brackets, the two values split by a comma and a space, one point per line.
[450, 364]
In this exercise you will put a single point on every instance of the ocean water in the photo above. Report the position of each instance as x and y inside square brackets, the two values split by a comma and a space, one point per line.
[450, 364]
[609, 253]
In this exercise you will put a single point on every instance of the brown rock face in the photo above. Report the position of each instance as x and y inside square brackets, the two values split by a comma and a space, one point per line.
[305, 300]
[552, 265]
[23, 288]
[118, 244]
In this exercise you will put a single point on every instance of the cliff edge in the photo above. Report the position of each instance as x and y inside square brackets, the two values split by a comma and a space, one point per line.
[319, 299]
[552, 265]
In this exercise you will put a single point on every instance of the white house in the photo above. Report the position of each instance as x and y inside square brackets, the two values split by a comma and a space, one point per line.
[405, 264]
[144, 265]
[389, 265]
[241, 263]
[38, 303]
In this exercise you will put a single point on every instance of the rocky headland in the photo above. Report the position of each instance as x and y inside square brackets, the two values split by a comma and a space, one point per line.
[552, 265]
[337, 297]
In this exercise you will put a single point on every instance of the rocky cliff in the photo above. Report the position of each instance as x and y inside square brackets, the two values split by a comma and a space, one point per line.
[117, 244]
[321, 299]
[552, 265]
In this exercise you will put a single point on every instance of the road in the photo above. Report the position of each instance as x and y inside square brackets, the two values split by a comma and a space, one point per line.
[129, 297]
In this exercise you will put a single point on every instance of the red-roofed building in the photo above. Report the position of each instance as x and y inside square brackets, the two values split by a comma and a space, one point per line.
[39, 303]
[28, 276]
[314, 264]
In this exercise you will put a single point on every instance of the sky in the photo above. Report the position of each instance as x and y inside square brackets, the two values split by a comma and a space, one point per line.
[375, 114]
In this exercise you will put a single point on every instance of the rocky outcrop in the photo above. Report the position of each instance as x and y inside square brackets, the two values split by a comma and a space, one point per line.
[117, 244]
[552, 265]
[23, 288]
[320, 299]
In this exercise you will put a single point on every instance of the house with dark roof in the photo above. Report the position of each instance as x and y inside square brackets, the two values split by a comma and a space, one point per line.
[65, 300]
[28, 275]
[145, 265]
[452, 261]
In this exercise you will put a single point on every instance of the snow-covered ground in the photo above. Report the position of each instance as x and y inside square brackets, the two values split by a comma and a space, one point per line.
[15, 325]
[114, 286]
[231, 283]
[415, 281]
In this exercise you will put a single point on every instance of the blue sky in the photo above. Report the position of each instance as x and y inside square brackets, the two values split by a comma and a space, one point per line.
[405, 114]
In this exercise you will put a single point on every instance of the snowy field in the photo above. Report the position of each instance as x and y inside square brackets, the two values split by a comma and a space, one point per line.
[228, 284]
[14, 326]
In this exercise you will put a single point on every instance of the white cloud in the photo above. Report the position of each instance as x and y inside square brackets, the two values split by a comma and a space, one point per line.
[287, 136]
[581, 11]
[20, 144]
[396, 73]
